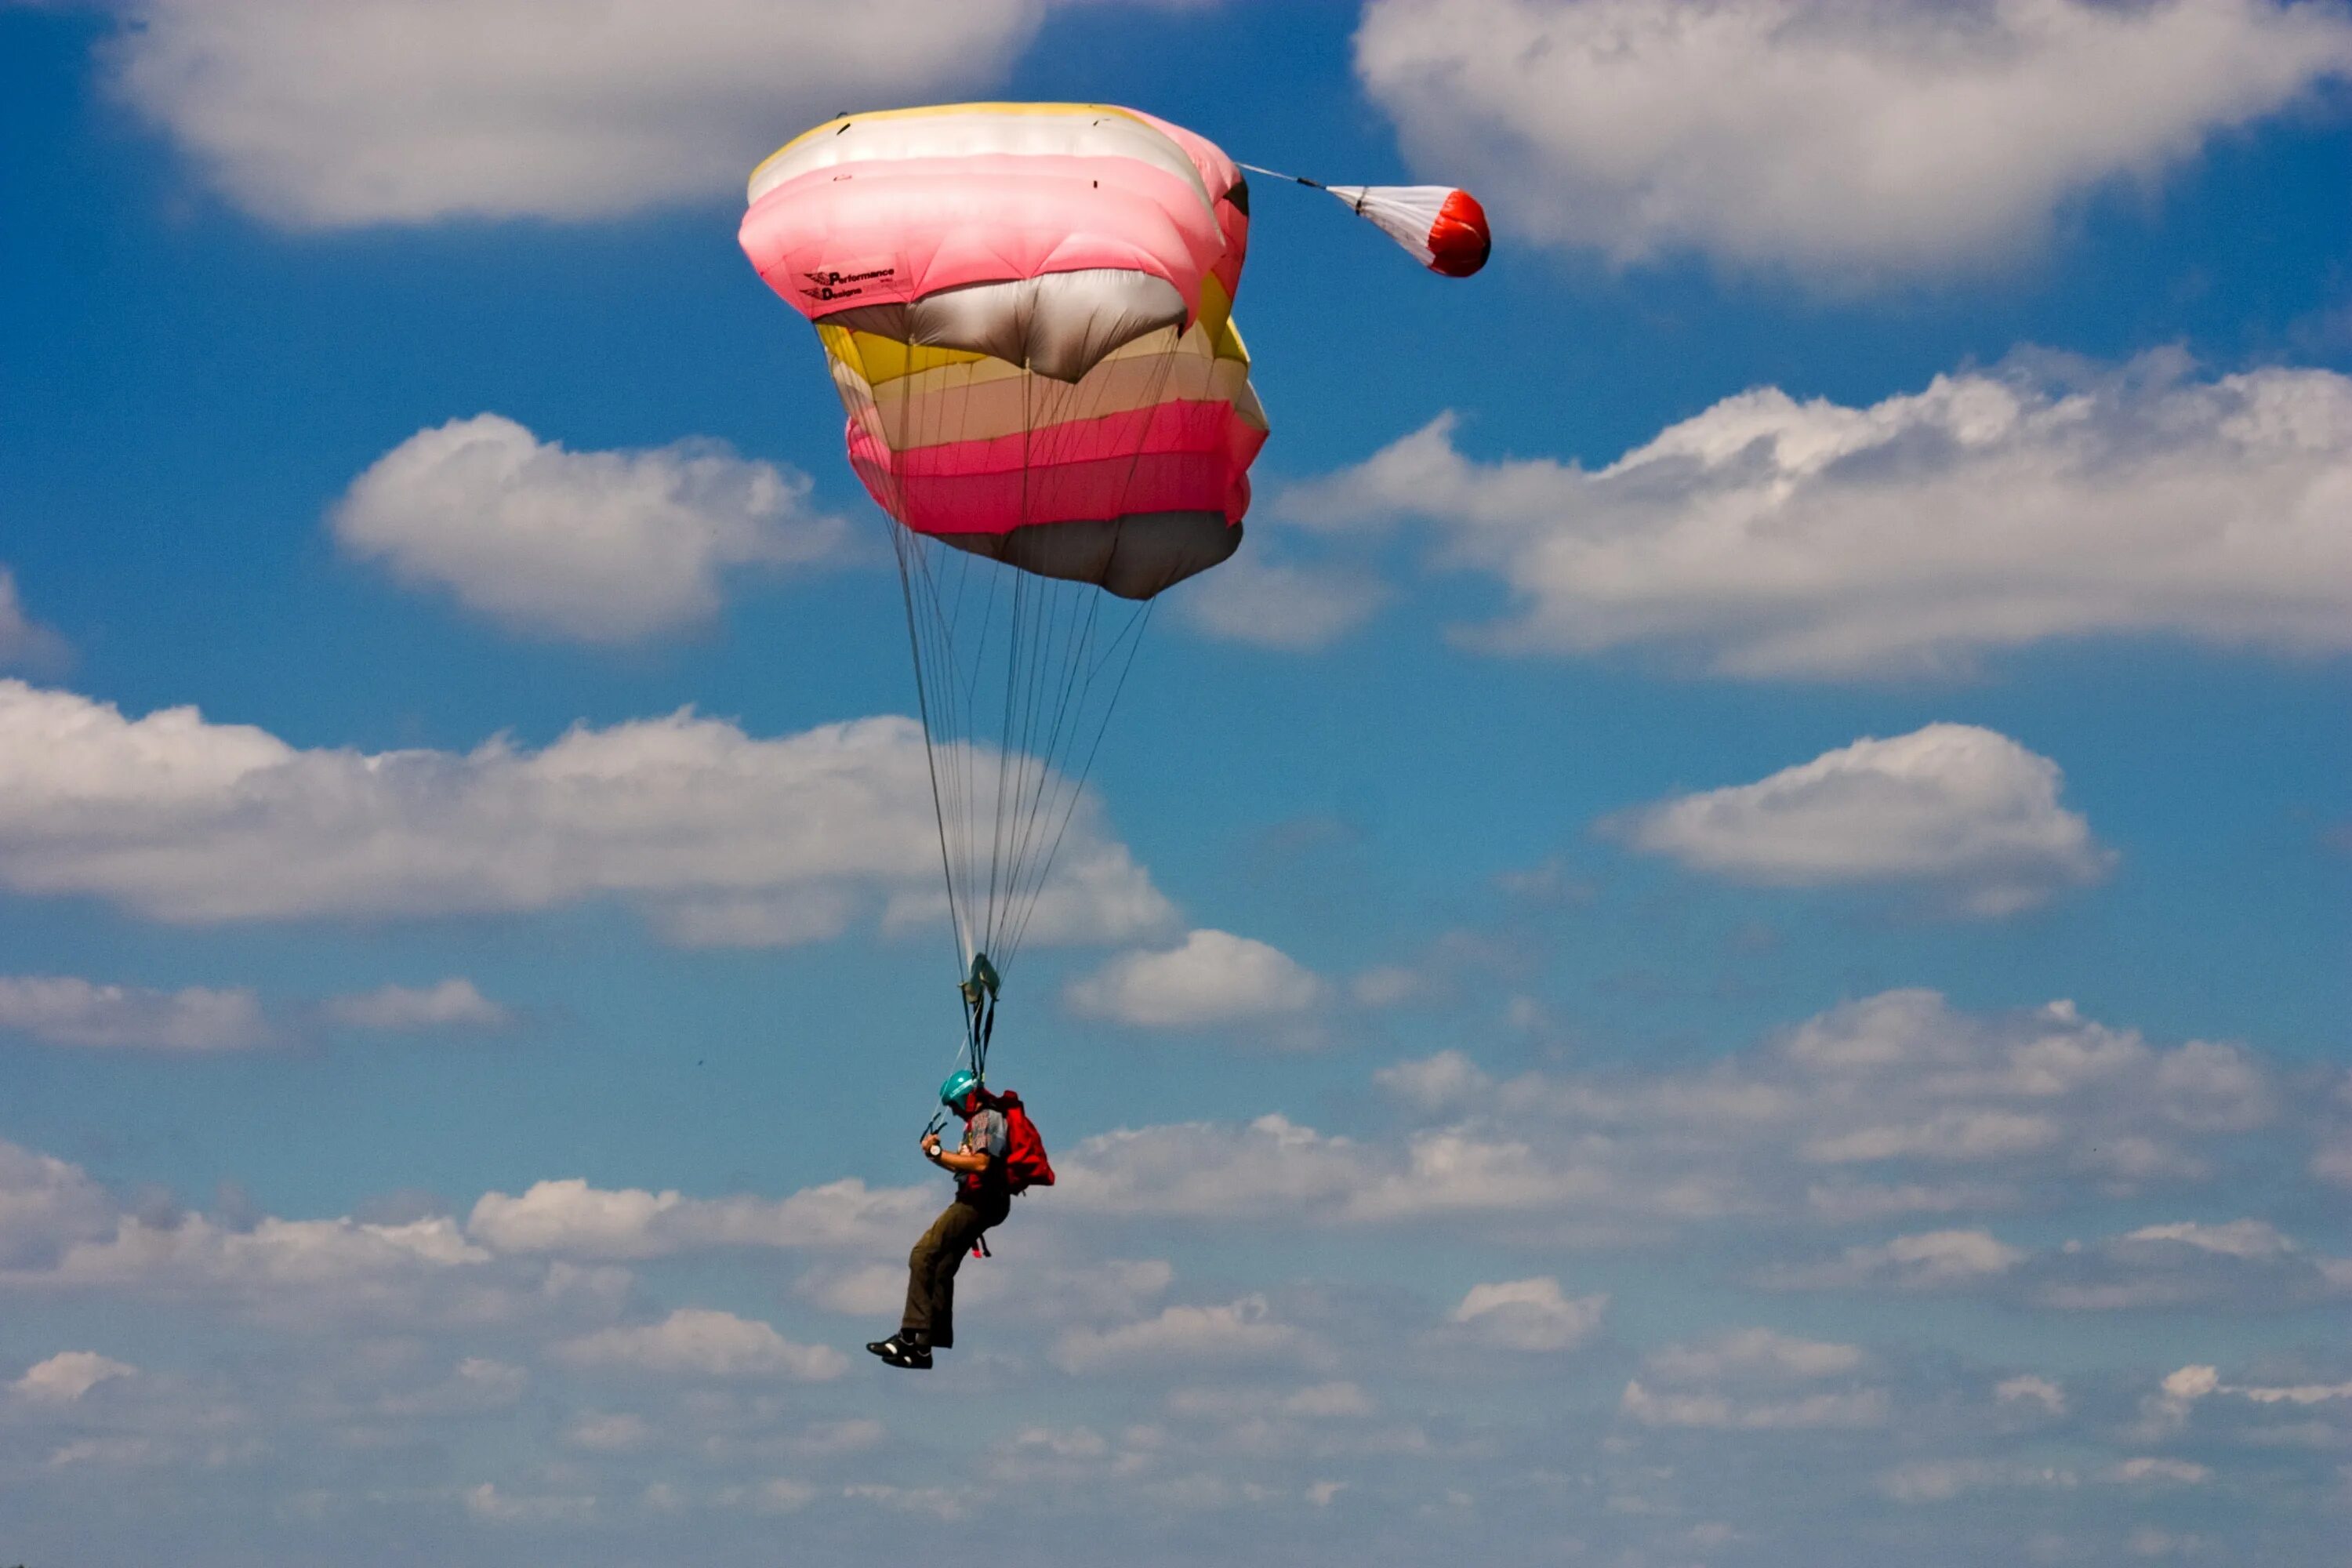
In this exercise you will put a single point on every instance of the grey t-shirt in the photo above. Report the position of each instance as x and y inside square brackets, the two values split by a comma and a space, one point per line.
[986, 1133]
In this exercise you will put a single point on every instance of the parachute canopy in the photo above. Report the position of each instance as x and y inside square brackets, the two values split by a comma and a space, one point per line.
[1027, 309]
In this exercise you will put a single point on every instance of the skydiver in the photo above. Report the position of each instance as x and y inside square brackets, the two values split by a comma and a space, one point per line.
[983, 1197]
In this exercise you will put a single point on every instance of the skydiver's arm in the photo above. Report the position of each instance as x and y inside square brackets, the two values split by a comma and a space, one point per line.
[955, 1160]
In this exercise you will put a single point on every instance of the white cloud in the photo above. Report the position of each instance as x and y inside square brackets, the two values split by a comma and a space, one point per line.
[65, 1377]
[65, 1011]
[1281, 605]
[1850, 142]
[46, 1206]
[2043, 500]
[476, 1384]
[1952, 808]
[603, 1433]
[601, 547]
[488, 1503]
[61, 1233]
[333, 1255]
[2246, 1263]
[948, 1505]
[2034, 1106]
[190, 821]
[307, 116]
[1931, 1260]
[694, 1342]
[1436, 1083]
[1941, 1480]
[1528, 1315]
[2191, 1384]
[2247, 1239]
[1214, 978]
[2026, 1389]
[1741, 1380]
[1275, 1168]
[453, 1004]
[2147, 1469]
[1334, 1400]
[1244, 1329]
[780, 1495]
[1752, 1354]
[25, 644]
[1718, 1412]
[573, 1217]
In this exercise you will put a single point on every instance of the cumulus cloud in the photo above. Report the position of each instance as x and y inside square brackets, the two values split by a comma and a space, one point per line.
[1752, 1355]
[1931, 1260]
[571, 1218]
[1334, 1400]
[2246, 1264]
[1244, 1329]
[307, 116]
[1662, 1407]
[65, 1377]
[1274, 1168]
[716, 835]
[61, 1233]
[1952, 808]
[24, 643]
[63, 1011]
[489, 1504]
[192, 1251]
[600, 547]
[46, 1206]
[1768, 537]
[452, 1004]
[1941, 1480]
[1754, 1380]
[695, 1341]
[1849, 142]
[1532, 1315]
[1875, 1111]
[1282, 604]
[2028, 1390]
[601, 1432]
[1214, 978]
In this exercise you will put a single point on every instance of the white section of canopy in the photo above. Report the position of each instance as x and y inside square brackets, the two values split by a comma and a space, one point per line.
[1405, 212]
[1019, 131]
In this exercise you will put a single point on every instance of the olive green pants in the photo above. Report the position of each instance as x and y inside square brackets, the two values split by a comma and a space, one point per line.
[932, 1267]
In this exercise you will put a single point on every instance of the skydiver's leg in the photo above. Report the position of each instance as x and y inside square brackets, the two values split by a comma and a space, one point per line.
[959, 1228]
[916, 1323]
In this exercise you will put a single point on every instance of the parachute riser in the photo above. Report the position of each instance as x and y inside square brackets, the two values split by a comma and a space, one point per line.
[978, 990]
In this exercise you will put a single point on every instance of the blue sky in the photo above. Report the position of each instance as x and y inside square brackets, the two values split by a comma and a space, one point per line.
[1732, 924]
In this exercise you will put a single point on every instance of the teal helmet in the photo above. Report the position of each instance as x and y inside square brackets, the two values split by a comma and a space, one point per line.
[961, 1082]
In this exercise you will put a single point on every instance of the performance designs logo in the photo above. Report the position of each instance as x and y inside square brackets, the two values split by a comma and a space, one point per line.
[843, 284]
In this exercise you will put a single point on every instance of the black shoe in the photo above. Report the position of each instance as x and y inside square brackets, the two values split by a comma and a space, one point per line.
[896, 1345]
[914, 1357]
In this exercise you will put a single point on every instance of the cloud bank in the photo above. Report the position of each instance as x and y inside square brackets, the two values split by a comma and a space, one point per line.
[1904, 138]
[310, 116]
[715, 836]
[62, 1010]
[2046, 499]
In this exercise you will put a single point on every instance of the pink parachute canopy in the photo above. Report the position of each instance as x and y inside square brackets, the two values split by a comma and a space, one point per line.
[1027, 311]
